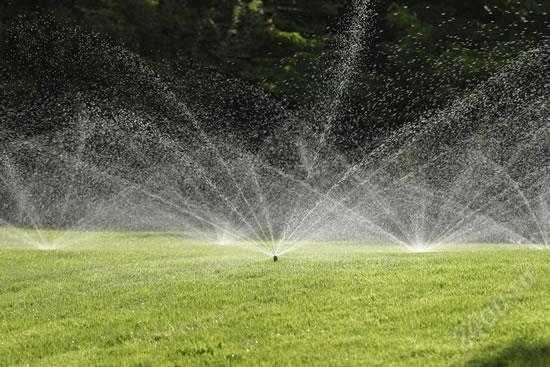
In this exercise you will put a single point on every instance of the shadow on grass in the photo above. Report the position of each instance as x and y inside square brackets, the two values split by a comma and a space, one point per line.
[518, 353]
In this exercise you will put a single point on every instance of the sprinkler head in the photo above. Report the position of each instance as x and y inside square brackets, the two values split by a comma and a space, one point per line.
[275, 258]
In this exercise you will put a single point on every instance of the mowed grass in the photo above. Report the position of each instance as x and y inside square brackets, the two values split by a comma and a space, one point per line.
[147, 299]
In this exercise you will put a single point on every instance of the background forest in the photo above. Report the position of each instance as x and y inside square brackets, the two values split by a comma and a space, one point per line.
[418, 55]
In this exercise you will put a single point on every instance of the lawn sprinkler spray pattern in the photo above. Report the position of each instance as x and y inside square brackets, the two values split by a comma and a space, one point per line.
[128, 146]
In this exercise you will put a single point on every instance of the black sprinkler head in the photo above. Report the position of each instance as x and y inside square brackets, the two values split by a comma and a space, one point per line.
[275, 258]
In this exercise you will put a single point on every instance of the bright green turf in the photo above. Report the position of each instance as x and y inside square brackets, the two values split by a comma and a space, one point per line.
[144, 299]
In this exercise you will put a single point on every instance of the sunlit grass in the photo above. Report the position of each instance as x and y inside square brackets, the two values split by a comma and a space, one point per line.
[159, 299]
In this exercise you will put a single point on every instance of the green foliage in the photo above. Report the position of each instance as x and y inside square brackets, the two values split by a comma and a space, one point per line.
[423, 53]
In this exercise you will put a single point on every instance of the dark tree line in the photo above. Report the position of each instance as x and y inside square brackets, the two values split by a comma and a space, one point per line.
[424, 53]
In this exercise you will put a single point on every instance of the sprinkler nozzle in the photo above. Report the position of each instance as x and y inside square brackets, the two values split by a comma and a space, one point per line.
[275, 258]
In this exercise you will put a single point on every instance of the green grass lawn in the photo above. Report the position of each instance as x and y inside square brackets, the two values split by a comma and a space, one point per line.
[153, 300]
